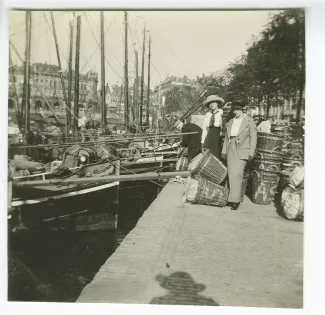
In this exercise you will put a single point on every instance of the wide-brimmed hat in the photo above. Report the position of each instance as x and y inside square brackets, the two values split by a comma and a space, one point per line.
[177, 123]
[213, 98]
[237, 105]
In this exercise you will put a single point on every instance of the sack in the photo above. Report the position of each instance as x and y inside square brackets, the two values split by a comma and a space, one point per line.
[206, 165]
[182, 164]
[296, 178]
[201, 191]
[70, 157]
[292, 202]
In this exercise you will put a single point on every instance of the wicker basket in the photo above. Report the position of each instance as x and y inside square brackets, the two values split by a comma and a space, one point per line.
[275, 154]
[264, 186]
[264, 164]
[208, 166]
[268, 141]
[201, 191]
[290, 166]
[291, 157]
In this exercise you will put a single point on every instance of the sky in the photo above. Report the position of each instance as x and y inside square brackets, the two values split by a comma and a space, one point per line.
[183, 42]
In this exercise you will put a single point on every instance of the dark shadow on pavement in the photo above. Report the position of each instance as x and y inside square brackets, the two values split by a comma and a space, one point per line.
[182, 290]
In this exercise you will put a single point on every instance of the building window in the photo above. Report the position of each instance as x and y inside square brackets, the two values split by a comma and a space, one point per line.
[42, 80]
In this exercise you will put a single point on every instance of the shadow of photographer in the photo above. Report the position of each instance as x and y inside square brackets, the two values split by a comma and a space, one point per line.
[182, 290]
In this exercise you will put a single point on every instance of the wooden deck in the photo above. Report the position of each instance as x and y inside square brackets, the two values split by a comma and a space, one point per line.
[200, 255]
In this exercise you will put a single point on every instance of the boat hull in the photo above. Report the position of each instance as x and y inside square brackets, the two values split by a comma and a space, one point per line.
[89, 208]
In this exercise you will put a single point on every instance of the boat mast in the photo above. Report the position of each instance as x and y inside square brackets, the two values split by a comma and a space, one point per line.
[126, 80]
[102, 54]
[70, 74]
[27, 70]
[142, 75]
[61, 75]
[76, 84]
[148, 85]
[13, 88]
[136, 89]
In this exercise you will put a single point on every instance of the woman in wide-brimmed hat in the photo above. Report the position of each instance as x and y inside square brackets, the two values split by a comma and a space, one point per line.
[212, 125]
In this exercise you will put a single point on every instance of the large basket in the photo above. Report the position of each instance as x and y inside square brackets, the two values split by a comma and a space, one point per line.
[201, 191]
[268, 141]
[264, 164]
[291, 157]
[290, 165]
[275, 154]
[264, 186]
[208, 166]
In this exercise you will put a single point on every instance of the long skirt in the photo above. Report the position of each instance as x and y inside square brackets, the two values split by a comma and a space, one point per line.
[235, 172]
[212, 141]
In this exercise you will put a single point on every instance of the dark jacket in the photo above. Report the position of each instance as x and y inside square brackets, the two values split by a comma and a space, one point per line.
[193, 141]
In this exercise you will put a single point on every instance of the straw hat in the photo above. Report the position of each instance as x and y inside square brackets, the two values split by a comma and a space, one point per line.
[213, 98]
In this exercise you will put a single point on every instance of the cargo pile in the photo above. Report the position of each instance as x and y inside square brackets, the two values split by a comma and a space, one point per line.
[279, 158]
[205, 185]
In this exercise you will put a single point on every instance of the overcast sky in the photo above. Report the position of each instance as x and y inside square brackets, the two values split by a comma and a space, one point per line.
[183, 42]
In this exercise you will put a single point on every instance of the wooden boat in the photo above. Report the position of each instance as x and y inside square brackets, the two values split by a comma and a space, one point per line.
[76, 207]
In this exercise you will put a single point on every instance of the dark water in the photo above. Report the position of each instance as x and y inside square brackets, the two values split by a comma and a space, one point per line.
[56, 265]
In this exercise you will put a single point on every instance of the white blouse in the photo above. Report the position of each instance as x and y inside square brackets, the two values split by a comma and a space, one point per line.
[206, 122]
[236, 125]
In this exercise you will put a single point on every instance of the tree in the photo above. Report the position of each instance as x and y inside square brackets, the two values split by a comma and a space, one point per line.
[179, 98]
[274, 66]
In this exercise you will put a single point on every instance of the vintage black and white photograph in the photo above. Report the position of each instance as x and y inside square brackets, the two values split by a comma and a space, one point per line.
[156, 156]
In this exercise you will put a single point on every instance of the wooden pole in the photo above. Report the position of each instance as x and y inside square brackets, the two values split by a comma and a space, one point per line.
[167, 135]
[14, 91]
[103, 179]
[76, 84]
[61, 74]
[148, 85]
[136, 89]
[27, 71]
[102, 53]
[36, 84]
[142, 75]
[126, 79]
[70, 76]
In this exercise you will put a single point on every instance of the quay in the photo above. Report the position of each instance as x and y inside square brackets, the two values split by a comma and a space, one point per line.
[204, 255]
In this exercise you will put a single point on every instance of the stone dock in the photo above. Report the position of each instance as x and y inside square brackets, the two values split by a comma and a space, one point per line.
[184, 254]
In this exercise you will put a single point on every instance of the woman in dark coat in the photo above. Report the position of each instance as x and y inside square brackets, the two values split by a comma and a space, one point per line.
[212, 125]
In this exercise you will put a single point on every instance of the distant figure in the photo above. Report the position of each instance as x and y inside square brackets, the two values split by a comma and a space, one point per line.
[212, 125]
[265, 126]
[257, 120]
[299, 130]
[191, 142]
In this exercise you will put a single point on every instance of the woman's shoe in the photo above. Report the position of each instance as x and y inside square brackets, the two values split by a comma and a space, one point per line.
[229, 204]
[235, 205]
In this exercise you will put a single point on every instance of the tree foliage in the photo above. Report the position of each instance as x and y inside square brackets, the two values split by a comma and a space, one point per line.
[272, 69]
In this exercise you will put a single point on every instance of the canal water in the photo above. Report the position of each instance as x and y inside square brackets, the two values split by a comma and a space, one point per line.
[54, 266]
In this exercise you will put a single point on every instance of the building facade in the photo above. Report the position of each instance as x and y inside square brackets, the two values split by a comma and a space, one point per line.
[46, 78]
